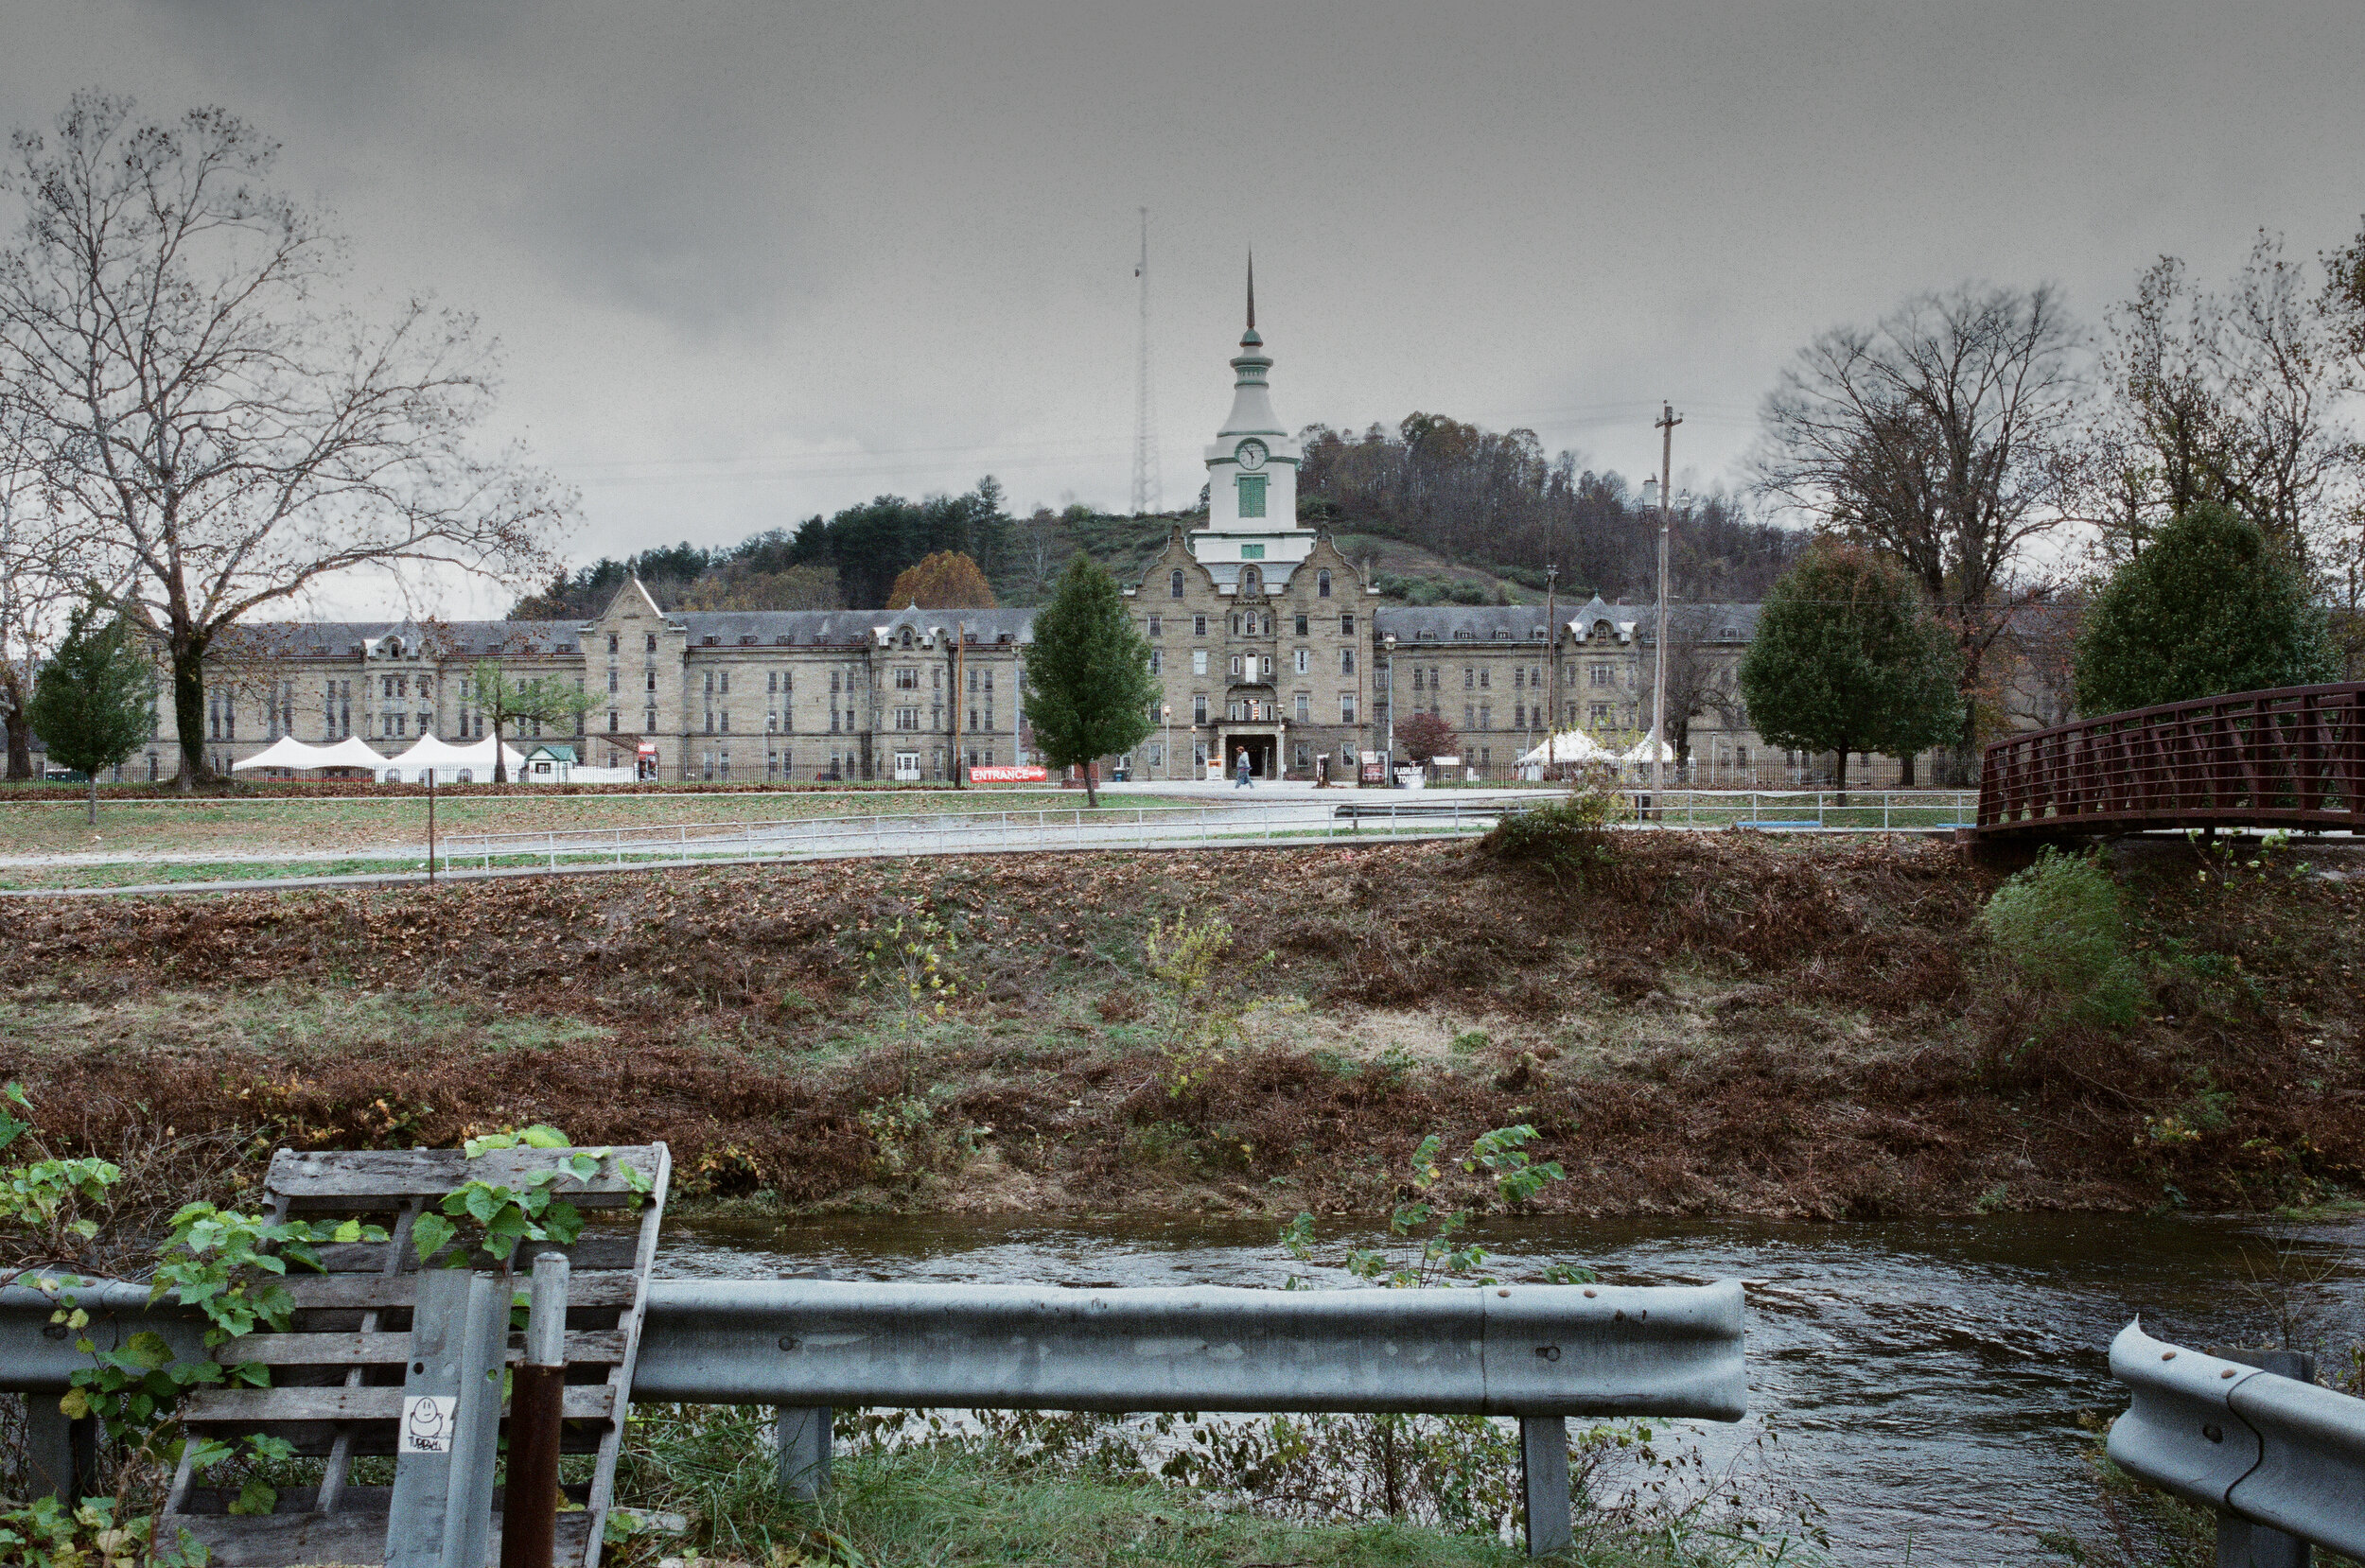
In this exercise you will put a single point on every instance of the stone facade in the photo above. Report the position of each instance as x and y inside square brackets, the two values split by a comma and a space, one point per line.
[1265, 638]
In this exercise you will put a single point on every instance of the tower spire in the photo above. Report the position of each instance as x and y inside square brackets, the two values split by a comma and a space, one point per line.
[1251, 290]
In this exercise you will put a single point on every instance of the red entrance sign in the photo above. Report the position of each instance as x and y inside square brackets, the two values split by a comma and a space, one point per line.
[1009, 776]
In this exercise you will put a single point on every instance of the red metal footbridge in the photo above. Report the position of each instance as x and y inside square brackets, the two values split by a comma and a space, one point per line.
[2287, 759]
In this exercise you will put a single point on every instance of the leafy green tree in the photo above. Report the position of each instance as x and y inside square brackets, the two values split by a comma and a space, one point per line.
[1848, 657]
[545, 699]
[90, 702]
[2213, 605]
[1089, 690]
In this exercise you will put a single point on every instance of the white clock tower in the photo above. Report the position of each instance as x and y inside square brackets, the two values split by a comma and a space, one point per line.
[1252, 467]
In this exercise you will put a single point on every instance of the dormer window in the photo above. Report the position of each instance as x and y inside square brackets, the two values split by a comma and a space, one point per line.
[394, 648]
[1601, 629]
[1729, 633]
[1174, 584]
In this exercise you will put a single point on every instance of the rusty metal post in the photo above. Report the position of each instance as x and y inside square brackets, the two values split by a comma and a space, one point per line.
[538, 1395]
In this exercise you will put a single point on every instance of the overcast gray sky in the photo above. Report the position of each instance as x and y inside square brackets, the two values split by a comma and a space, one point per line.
[755, 261]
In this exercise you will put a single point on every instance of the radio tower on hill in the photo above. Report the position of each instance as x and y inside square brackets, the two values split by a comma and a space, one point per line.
[1147, 496]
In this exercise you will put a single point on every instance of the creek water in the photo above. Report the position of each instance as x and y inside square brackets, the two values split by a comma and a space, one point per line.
[1923, 1379]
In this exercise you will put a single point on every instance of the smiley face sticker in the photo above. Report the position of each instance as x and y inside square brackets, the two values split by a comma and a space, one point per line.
[428, 1421]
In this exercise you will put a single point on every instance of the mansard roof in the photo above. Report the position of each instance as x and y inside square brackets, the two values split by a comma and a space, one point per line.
[842, 628]
[440, 638]
[1525, 622]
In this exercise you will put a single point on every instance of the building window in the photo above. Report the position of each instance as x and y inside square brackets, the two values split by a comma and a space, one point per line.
[1198, 626]
[907, 680]
[1306, 707]
[1469, 716]
[1154, 630]
[1347, 624]
[1601, 674]
[1199, 661]
[907, 718]
[614, 720]
[1157, 665]
[651, 685]
[1251, 581]
[1199, 707]
[1321, 585]
[1347, 661]
[1596, 714]
[1304, 660]
[652, 648]
[1174, 584]
[1236, 667]
[1251, 552]
[1252, 495]
[1300, 623]
[1469, 679]
[1486, 678]
[1347, 707]
[1519, 677]
[727, 721]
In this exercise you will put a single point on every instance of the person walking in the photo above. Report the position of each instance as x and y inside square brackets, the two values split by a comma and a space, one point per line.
[1243, 783]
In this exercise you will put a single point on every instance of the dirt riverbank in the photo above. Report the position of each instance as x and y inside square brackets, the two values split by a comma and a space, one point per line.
[1710, 1023]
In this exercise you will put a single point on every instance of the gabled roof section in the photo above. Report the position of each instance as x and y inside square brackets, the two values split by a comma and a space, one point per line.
[632, 601]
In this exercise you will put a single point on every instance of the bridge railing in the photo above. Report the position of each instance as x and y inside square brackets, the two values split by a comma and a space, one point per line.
[2291, 757]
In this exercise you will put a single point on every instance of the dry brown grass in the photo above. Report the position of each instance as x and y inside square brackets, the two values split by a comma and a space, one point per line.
[1712, 1025]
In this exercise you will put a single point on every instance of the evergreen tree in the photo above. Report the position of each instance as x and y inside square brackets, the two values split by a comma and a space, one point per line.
[2211, 605]
[91, 703]
[1089, 690]
[1848, 657]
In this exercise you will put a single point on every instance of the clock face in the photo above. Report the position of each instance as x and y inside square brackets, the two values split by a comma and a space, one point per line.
[1252, 454]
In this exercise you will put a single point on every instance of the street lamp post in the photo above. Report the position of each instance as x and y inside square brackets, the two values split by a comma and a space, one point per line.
[1388, 757]
[1166, 718]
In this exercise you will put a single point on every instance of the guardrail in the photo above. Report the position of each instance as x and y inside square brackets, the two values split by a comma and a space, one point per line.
[1173, 826]
[1539, 1352]
[2289, 757]
[2270, 1454]
[927, 833]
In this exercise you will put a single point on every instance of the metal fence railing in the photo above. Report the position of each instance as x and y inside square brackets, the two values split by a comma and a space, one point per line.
[2291, 758]
[1388, 813]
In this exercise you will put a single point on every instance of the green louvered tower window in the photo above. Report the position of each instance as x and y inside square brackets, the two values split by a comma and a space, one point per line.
[1252, 495]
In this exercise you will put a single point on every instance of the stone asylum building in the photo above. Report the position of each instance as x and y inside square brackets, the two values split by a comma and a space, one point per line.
[1265, 638]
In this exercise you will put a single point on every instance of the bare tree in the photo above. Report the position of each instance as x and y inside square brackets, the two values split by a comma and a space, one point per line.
[229, 437]
[2235, 398]
[41, 570]
[1935, 437]
[1700, 677]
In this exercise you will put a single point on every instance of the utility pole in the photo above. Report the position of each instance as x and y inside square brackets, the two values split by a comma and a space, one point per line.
[1147, 490]
[1552, 651]
[960, 647]
[1666, 424]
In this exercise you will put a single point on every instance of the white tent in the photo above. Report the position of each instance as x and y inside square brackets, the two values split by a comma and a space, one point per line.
[351, 752]
[1568, 745]
[1641, 751]
[289, 752]
[286, 752]
[449, 761]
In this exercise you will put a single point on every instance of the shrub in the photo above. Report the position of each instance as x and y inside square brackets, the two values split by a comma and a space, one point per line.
[2058, 925]
[1569, 838]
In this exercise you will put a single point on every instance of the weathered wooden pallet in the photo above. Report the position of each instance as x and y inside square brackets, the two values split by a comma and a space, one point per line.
[337, 1374]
